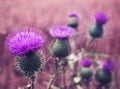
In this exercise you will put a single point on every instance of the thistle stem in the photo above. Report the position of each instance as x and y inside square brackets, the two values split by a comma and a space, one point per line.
[64, 78]
[73, 75]
[86, 83]
[32, 82]
[99, 87]
[53, 78]
[46, 73]
[87, 87]
[51, 82]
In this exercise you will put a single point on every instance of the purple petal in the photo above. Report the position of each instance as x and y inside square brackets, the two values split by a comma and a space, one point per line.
[62, 32]
[101, 18]
[86, 62]
[74, 14]
[25, 40]
[108, 66]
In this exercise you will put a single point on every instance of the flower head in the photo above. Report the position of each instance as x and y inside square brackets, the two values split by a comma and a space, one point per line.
[62, 32]
[108, 66]
[101, 18]
[74, 14]
[25, 41]
[86, 62]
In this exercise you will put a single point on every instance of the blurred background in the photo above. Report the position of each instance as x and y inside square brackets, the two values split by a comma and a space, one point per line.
[44, 14]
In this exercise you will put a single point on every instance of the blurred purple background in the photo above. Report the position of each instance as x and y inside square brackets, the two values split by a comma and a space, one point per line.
[44, 14]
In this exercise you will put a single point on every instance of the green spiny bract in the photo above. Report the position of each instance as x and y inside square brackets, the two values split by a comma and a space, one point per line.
[96, 31]
[29, 64]
[86, 72]
[103, 77]
[73, 22]
[61, 48]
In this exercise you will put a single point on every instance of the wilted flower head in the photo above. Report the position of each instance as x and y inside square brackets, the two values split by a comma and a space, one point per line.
[62, 32]
[108, 66]
[101, 18]
[86, 62]
[24, 41]
[74, 14]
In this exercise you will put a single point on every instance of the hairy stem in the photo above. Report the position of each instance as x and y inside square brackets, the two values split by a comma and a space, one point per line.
[99, 86]
[32, 82]
[55, 73]
[51, 82]
[63, 77]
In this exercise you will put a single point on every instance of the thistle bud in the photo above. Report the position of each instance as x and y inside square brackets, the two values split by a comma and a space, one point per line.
[96, 30]
[73, 20]
[61, 48]
[86, 72]
[25, 43]
[103, 77]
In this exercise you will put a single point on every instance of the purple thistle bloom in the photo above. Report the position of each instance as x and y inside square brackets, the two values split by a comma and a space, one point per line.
[74, 14]
[108, 66]
[86, 62]
[101, 18]
[24, 41]
[62, 32]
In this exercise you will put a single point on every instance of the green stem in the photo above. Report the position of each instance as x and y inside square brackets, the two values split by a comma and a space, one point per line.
[32, 82]
[64, 78]
[87, 84]
[55, 72]
[51, 82]
[99, 86]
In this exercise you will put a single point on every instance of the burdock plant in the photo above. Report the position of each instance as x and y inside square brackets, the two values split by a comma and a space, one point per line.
[96, 30]
[104, 74]
[25, 44]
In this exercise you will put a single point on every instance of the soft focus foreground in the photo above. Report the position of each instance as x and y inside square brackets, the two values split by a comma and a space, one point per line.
[46, 14]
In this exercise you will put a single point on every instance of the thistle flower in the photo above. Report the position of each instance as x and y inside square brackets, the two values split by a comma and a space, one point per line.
[104, 75]
[73, 20]
[101, 18]
[74, 14]
[96, 30]
[86, 62]
[108, 66]
[86, 72]
[25, 41]
[62, 32]
[61, 47]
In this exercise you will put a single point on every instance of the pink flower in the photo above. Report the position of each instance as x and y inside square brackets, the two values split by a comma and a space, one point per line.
[74, 14]
[108, 66]
[101, 18]
[62, 32]
[24, 41]
[86, 62]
